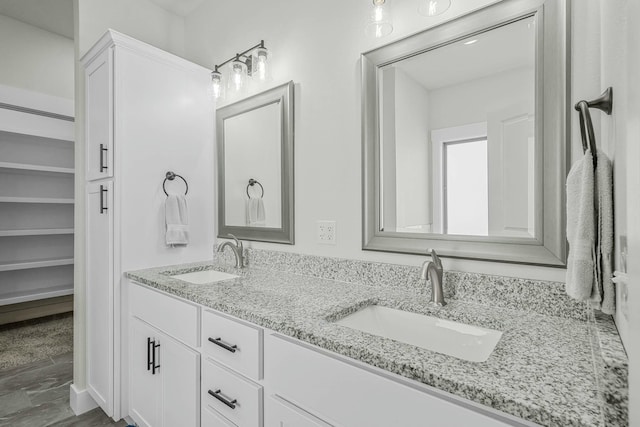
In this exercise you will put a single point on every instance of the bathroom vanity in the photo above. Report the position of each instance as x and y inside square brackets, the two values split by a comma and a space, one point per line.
[265, 349]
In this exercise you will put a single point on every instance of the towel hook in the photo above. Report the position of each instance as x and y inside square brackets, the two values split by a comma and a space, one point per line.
[171, 176]
[253, 182]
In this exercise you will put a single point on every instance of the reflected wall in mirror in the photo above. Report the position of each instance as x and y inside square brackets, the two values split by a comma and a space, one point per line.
[458, 136]
[465, 137]
[255, 161]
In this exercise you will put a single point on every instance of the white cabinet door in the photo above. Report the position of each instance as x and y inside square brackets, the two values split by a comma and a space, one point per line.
[180, 376]
[99, 282]
[164, 379]
[99, 116]
[280, 413]
[144, 378]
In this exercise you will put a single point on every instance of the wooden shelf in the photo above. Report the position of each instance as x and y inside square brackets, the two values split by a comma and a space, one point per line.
[40, 263]
[38, 168]
[36, 232]
[36, 200]
[35, 294]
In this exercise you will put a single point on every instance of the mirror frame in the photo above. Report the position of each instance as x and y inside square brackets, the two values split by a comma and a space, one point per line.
[285, 234]
[549, 246]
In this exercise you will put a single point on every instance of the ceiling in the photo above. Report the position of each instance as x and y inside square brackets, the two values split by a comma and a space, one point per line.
[504, 48]
[55, 16]
[178, 7]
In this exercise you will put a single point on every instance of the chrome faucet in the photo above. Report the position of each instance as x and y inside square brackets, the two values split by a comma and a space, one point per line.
[236, 248]
[433, 270]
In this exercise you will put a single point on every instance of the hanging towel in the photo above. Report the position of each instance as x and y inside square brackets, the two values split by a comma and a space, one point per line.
[581, 229]
[604, 205]
[255, 212]
[177, 220]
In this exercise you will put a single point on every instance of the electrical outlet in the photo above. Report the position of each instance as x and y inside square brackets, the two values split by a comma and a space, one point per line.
[326, 232]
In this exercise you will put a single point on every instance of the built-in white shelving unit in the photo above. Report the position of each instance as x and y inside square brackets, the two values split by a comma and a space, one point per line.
[36, 197]
[39, 168]
[36, 232]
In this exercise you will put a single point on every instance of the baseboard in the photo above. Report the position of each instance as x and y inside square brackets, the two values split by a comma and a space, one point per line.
[80, 400]
[34, 309]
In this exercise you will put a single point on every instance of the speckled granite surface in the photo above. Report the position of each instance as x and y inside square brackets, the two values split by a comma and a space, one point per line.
[542, 370]
[520, 294]
[612, 366]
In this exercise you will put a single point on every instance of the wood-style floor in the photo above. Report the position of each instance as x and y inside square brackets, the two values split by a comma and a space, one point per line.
[37, 395]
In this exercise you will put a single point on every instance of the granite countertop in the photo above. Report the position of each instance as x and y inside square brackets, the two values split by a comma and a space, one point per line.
[542, 369]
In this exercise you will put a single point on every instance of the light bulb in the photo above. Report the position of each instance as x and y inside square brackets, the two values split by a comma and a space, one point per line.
[216, 84]
[238, 76]
[433, 7]
[261, 64]
[379, 24]
[377, 13]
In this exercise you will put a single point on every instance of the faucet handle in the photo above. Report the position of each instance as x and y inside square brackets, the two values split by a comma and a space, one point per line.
[238, 242]
[435, 258]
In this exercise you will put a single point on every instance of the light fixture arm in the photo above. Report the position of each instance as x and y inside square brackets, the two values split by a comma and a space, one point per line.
[238, 55]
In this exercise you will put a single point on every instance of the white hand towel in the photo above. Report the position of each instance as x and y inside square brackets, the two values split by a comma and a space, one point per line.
[604, 203]
[255, 212]
[581, 229]
[177, 220]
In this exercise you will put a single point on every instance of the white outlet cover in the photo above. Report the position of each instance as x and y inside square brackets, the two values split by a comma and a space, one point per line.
[326, 232]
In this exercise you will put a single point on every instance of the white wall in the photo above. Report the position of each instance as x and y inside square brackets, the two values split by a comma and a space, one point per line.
[318, 45]
[632, 42]
[413, 182]
[35, 59]
[140, 19]
[614, 129]
[620, 135]
[473, 101]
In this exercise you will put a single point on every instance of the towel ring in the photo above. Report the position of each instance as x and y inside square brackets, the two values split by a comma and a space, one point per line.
[603, 103]
[253, 182]
[171, 176]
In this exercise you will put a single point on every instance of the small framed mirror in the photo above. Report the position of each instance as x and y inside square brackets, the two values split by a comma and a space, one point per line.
[465, 137]
[255, 167]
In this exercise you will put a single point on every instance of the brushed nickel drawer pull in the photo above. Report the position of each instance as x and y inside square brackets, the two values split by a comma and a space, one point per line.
[228, 347]
[218, 395]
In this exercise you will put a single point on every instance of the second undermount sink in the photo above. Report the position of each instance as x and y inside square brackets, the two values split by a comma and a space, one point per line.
[467, 342]
[205, 276]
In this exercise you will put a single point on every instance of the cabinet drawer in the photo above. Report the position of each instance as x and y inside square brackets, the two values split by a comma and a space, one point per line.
[280, 413]
[211, 418]
[233, 343]
[343, 393]
[235, 397]
[177, 318]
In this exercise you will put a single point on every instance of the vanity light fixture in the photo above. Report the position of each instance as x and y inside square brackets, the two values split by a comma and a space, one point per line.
[253, 63]
[379, 23]
[433, 7]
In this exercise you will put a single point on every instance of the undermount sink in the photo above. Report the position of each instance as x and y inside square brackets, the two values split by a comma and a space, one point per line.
[205, 276]
[472, 343]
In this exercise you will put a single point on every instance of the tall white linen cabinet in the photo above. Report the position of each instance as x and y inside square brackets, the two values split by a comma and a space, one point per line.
[147, 112]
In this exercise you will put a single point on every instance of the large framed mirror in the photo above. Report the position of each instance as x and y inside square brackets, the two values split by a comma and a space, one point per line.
[466, 137]
[255, 167]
